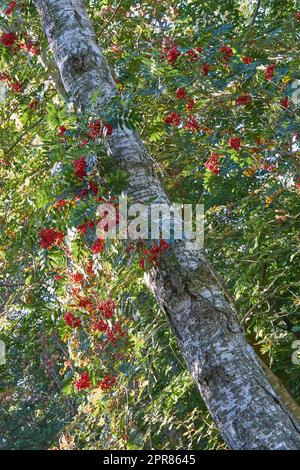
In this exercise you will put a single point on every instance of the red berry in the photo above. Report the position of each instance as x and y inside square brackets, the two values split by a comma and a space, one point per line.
[180, 93]
[77, 277]
[10, 8]
[71, 320]
[205, 68]
[61, 203]
[83, 382]
[212, 164]
[30, 47]
[93, 187]
[50, 237]
[33, 104]
[190, 104]
[107, 308]
[227, 52]
[284, 102]
[62, 130]
[16, 87]
[8, 39]
[194, 54]
[269, 72]
[192, 124]
[80, 167]
[243, 99]
[107, 382]
[98, 246]
[172, 55]
[99, 128]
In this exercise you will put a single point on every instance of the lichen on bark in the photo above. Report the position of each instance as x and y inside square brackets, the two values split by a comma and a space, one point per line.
[225, 368]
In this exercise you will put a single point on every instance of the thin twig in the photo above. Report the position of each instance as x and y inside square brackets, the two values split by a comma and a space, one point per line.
[24, 133]
[255, 14]
[111, 18]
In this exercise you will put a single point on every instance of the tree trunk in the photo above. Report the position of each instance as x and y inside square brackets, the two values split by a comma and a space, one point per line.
[225, 368]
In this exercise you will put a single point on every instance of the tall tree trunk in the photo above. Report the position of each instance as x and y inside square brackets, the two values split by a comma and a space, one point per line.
[225, 368]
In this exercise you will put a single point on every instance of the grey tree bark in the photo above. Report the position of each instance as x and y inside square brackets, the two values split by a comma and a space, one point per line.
[225, 368]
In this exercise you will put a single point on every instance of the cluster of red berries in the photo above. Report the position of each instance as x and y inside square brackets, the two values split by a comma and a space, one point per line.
[243, 100]
[205, 68]
[235, 143]
[194, 54]
[71, 320]
[5, 77]
[113, 333]
[15, 86]
[31, 48]
[62, 130]
[50, 237]
[192, 124]
[61, 203]
[8, 39]
[268, 166]
[181, 93]
[212, 164]
[85, 303]
[105, 384]
[83, 227]
[98, 246]
[99, 128]
[284, 102]
[33, 104]
[151, 256]
[190, 104]
[90, 268]
[107, 308]
[227, 52]
[101, 326]
[172, 55]
[269, 72]
[247, 60]
[173, 119]
[93, 187]
[77, 277]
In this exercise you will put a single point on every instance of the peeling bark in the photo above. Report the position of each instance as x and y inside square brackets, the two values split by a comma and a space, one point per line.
[225, 368]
